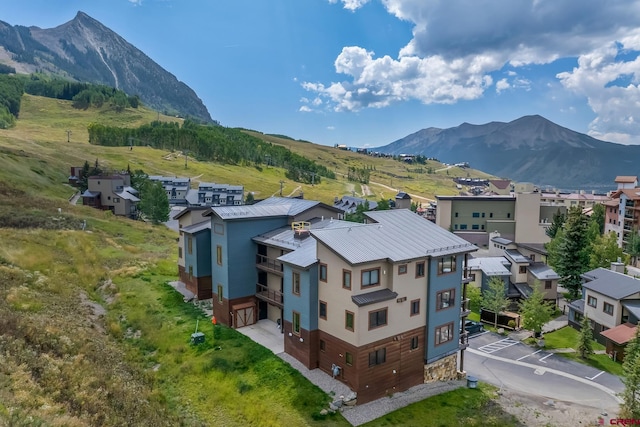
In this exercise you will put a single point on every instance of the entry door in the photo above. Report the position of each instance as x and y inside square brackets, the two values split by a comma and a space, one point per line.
[244, 317]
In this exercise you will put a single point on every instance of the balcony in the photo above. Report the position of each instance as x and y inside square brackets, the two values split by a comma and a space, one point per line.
[464, 308]
[464, 340]
[269, 265]
[269, 295]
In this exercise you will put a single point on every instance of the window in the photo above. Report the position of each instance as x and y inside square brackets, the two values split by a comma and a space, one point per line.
[370, 277]
[444, 333]
[472, 277]
[323, 310]
[179, 252]
[508, 214]
[482, 226]
[415, 307]
[116, 199]
[348, 320]
[532, 257]
[190, 272]
[220, 294]
[475, 227]
[523, 269]
[420, 269]
[547, 284]
[476, 214]
[447, 264]
[463, 226]
[456, 215]
[402, 269]
[295, 282]
[219, 254]
[377, 357]
[296, 323]
[608, 308]
[189, 245]
[490, 214]
[445, 299]
[348, 358]
[323, 345]
[482, 214]
[377, 318]
[591, 301]
[346, 279]
[414, 343]
[323, 272]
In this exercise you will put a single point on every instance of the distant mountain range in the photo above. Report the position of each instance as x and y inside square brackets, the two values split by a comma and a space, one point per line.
[85, 50]
[529, 149]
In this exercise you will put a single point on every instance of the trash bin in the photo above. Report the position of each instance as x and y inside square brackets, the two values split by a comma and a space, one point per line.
[472, 382]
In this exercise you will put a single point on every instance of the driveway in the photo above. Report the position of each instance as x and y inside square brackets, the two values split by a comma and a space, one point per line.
[512, 365]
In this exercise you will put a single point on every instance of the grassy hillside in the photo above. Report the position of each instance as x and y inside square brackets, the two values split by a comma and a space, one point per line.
[90, 332]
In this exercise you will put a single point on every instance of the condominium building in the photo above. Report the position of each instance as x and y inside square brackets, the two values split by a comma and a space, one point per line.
[378, 305]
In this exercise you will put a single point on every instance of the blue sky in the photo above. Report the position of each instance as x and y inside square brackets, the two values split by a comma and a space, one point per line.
[368, 72]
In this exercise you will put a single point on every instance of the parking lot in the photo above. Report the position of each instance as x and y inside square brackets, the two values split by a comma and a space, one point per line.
[498, 346]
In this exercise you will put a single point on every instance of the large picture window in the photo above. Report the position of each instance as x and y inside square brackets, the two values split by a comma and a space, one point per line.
[447, 264]
[377, 318]
[444, 333]
[445, 299]
[370, 277]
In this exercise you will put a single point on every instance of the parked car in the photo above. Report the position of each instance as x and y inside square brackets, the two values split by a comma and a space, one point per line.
[473, 327]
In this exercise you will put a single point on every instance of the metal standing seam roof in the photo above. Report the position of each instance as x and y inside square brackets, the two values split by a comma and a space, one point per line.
[491, 266]
[373, 297]
[577, 305]
[128, 196]
[542, 271]
[633, 305]
[398, 235]
[195, 228]
[250, 211]
[611, 283]
[502, 240]
[515, 255]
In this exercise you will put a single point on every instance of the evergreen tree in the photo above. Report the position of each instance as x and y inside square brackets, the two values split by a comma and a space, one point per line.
[383, 205]
[553, 248]
[249, 199]
[535, 310]
[556, 224]
[597, 216]
[358, 215]
[604, 251]
[154, 203]
[573, 251]
[633, 246]
[494, 298]
[585, 338]
[84, 174]
[630, 407]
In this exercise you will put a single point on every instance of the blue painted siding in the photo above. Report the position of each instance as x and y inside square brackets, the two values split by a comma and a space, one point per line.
[237, 274]
[200, 257]
[440, 318]
[307, 302]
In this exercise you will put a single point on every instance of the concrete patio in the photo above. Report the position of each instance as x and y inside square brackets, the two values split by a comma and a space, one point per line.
[266, 333]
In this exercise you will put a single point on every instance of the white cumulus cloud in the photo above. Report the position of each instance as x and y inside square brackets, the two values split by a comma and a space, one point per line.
[456, 45]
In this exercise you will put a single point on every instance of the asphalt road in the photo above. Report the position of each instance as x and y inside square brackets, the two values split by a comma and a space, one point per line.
[512, 365]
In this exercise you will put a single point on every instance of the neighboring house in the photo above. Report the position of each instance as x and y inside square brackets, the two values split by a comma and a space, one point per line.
[197, 259]
[176, 188]
[186, 218]
[609, 298]
[112, 192]
[74, 176]
[483, 269]
[212, 194]
[349, 204]
[500, 186]
[581, 199]
[378, 305]
[403, 201]
[622, 214]
[520, 217]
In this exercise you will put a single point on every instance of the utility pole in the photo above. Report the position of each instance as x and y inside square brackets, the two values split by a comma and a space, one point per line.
[68, 136]
[281, 185]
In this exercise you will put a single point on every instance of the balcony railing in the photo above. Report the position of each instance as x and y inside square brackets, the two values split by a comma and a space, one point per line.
[269, 295]
[269, 264]
[464, 340]
[465, 310]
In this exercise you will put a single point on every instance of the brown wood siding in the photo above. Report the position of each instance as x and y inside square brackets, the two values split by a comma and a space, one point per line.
[377, 381]
[200, 286]
[306, 351]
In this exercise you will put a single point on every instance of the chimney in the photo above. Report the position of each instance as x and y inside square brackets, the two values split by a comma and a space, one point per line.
[618, 266]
